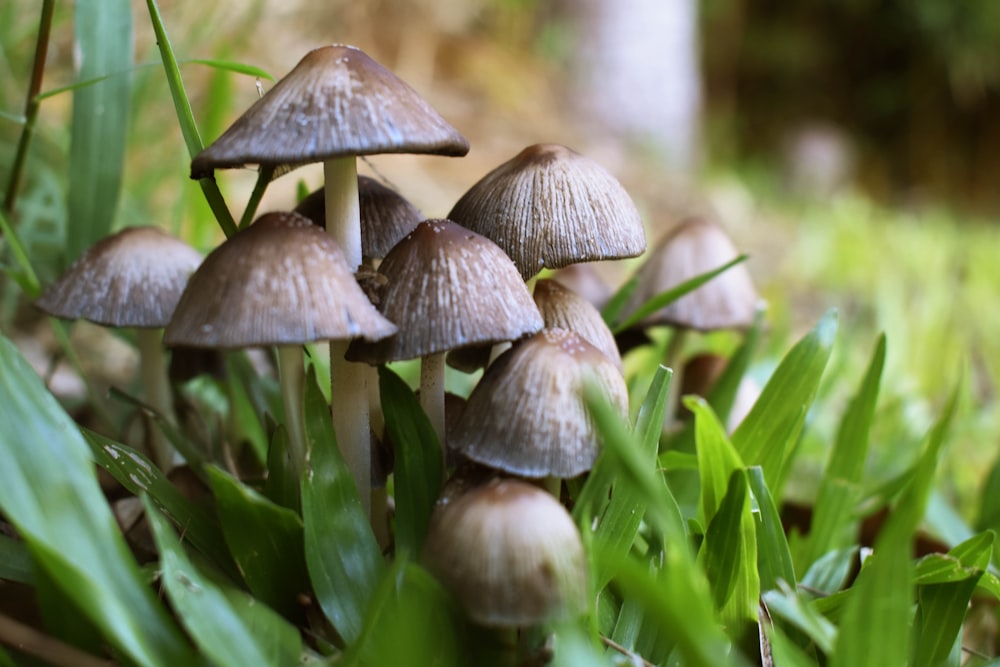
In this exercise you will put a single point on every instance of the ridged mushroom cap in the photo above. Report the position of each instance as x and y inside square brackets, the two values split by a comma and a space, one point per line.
[528, 415]
[549, 207]
[386, 216]
[510, 554]
[133, 278]
[448, 287]
[336, 102]
[695, 246]
[281, 281]
[563, 308]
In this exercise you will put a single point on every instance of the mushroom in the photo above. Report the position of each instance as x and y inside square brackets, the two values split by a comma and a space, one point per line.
[446, 287]
[282, 281]
[336, 104]
[131, 279]
[510, 554]
[563, 308]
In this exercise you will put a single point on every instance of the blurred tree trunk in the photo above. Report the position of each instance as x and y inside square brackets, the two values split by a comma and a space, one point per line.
[638, 72]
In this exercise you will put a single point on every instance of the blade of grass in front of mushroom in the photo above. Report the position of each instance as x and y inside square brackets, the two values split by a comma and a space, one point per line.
[185, 117]
[178, 438]
[774, 559]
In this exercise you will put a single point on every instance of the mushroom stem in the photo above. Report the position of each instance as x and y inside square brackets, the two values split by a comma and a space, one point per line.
[349, 405]
[432, 393]
[343, 209]
[156, 386]
[291, 374]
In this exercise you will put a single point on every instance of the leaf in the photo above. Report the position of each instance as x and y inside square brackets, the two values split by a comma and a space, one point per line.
[419, 465]
[230, 627]
[774, 559]
[788, 605]
[342, 556]
[49, 491]
[830, 571]
[15, 561]
[265, 540]
[230, 66]
[613, 308]
[767, 433]
[717, 458]
[839, 490]
[99, 126]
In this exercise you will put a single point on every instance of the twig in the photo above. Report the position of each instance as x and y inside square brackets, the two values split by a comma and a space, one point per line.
[28, 640]
[634, 657]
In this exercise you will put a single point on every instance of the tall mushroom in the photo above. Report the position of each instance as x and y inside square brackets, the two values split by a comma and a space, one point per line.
[133, 278]
[335, 105]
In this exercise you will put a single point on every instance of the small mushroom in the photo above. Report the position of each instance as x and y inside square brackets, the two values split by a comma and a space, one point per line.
[563, 308]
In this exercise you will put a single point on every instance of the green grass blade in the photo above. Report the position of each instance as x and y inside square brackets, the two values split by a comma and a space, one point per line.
[774, 559]
[15, 561]
[231, 628]
[230, 66]
[265, 540]
[99, 126]
[60, 512]
[717, 458]
[767, 434]
[342, 556]
[419, 465]
[29, 281]
[839, 490]
[613, 308]
[784, 603]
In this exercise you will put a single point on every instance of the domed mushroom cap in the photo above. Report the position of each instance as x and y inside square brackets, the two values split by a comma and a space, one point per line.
[549, 206]
[336, 102]
[696, 246]
[448, 287]
[130, 279]
[510, 553]
[528, 415]
[282, 280]
[386, 216]
[563, 308]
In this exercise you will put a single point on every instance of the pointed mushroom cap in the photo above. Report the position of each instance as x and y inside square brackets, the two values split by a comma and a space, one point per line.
[282, 280]
[528, 416]
[695, 246]
[448, 287]
[510, 553]
[336, 102]
[130, 279]
[563, 308]
[386, 216]
[549, 207]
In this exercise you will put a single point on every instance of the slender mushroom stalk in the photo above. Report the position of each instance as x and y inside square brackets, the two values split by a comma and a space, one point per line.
[156, 386]
[432, 391]
[349, 410]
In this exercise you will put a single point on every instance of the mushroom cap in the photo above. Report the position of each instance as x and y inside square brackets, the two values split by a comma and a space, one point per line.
[549, 206]
[510, 554]
[563, 308]
[584, 279]
[281, 281]
[336, 102]
[528, 415]
[133, 278]
[695, 246]
[448, 287]
[386, 216]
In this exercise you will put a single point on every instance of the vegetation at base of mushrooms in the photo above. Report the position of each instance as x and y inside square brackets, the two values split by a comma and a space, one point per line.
[690, 554]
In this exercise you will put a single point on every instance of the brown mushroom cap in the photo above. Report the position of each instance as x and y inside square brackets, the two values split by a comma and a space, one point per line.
[130, 279]
[282, 280]
[448, 287]
[695, 246]
[386, 216]
[563, 308]
[510, 553]
[549, 207]
[336, 102]
[528, 416]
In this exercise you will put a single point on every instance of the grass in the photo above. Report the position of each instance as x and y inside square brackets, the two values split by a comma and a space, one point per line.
[690, 562]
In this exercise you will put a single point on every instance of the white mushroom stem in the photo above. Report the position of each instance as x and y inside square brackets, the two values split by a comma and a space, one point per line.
[349, 405]
[156, 386]
[432, 393]
[348, 381]
[291, 374]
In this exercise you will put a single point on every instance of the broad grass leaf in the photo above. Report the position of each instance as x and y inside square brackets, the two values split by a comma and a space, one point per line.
[830, 571]
[419, 465]
[768, 432]
[788, 605]
[784, 651]
[265, 540]
[717, 458]
[99, 125]
[342, 556]
[774, 559]
[230, 627]
[49, 491]
[839, 490]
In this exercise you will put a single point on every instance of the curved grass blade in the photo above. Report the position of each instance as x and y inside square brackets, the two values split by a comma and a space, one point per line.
[418, 459]
[230, 627]
[231, 66]
[342, 556]
[49, 491]
[774, 558]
